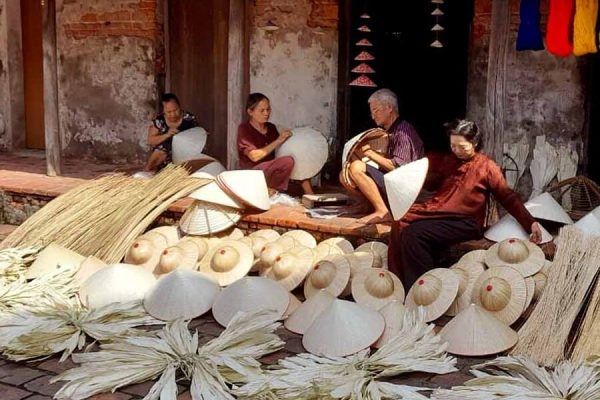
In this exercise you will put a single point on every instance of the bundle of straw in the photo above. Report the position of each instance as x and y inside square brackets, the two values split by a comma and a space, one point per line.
[14, 262]
[544, 335]
[520, 378]
[62, 326]
[588, 336]
[212, 369]
[103, 217]
[305, 376]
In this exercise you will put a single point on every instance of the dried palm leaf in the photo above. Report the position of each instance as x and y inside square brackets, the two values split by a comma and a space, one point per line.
[62, 326]
[544, 165]
[228, 359]
[521, 378]
[568, 159]
[518, 153]
[14, 262]
[305, 376]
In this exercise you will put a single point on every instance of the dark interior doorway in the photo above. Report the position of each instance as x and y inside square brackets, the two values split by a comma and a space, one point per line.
[593, 161]
[430, 82]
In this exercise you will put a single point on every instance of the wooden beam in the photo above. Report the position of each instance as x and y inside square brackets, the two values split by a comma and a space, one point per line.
[51, 119]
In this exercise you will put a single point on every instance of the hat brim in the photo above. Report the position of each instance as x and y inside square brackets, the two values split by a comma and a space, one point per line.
[361, 294]
[308, 148]
[203, 218]
[472, 270]
[238, 271]
[530, 266]
[442, 303]
[518, 293]
[339, 281]
[379, 251]
[304, 257]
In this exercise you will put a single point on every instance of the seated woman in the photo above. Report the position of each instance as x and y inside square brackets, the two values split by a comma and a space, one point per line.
[456, 212]
[257, 141]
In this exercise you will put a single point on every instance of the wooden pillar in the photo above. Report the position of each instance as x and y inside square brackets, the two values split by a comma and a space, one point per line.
[496, 79]
[51, 120]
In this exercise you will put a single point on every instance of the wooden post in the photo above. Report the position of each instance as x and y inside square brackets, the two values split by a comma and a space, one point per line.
[51, 120]
[496, 80]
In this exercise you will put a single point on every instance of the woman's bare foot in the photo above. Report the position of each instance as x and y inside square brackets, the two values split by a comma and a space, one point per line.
[377, 217]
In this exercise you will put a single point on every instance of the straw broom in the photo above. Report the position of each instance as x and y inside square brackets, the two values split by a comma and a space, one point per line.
[588, 336]
[544, 335]
[103, 217]
[521, 378]
[212, 369]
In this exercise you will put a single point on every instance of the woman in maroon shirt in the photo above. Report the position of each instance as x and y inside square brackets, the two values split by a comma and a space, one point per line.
[257, 141]
[463, 180]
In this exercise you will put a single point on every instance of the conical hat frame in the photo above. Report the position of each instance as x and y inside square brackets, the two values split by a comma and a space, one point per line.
[203, 218]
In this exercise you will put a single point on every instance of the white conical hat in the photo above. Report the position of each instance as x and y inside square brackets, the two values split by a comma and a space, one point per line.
[309, 150]
[331, 274]
[212, 193]
[343, 244]
[326, 249]
[342, 329]
[301, 319]
[353, 143]
[117, 283]
[54, 257]
[376, 287]
[269, 234]
[590, 223]
[203, 218]
[272, 250]
[188, 145]
[467, 272]
[200, 242]
[250, 294]
[87, 268]
[236, 234]
[403, 185]
[291, 267]
[503, 292]
[213, 168]
[145, 251]
[545, 207]
[171, 232]
[292, 306]
[523, 255]
[379, 251]
[184, 255]
[202, 175]
[507, 227]
[181, 294]
[472, 256]
[435, 290]
[248, 185]
[393, 315]
[227, 262]
[476, 332]
[358, 260]
[302, 237]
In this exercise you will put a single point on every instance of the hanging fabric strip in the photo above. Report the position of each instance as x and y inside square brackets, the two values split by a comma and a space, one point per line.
[558, 31]
[530, 36]
[584, 27]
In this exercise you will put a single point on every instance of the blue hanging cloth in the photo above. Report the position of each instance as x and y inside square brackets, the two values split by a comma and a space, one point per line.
[530, 36]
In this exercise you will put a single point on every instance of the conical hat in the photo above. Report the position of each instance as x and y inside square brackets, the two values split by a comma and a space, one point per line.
[212, 193]
[358, 260]
[145, 251]
[501, 291]
[435, 290]
[182, 256]
[472, 256]
[236, 234]
[343, 244]
[181, 294]
[203, 175]
[214, 168]
[256, 244]
[590, 223]
[530, 285]
[540, 280]
[200, 242]
[205, 218]
[393, 315]
[270, 234]
[302, 237]
[291, 267]
[250, 294]
[507, 227]
[292, 306]
[403, 185]
[227, 262]
[301, 319]
[309, 150]
[342, 329]
[54, 257]
[545, 207]
[248, 186]
[188, 145]
[171, 232]
[475, 332]
[272, 250]
[376, 287]
[351, 145]
[117, 283]
[87, 268]
[522, 255]
[380, 253]
[331, 274]
[326, 249]
[467, 272]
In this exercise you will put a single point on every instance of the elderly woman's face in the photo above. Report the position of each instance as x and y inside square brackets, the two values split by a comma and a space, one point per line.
[461, 147]
[381, 113]
[172, 111]
[261, 112]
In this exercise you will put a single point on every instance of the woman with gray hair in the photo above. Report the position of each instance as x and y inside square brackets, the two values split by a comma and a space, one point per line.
[405, 146]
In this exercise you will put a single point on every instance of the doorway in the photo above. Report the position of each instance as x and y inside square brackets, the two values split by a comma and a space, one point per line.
[33, 75]
[431, 82]
[593, 161]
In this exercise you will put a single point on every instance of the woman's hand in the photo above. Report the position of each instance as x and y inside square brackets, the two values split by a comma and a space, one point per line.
[536, 233]
[285, 135]
[172, 132]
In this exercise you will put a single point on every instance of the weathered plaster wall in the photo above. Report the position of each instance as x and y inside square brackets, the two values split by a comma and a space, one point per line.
[107, 76]
[545, 94]
[296, 65]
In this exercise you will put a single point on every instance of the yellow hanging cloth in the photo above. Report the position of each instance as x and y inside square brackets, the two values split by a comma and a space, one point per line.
[584, 28]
